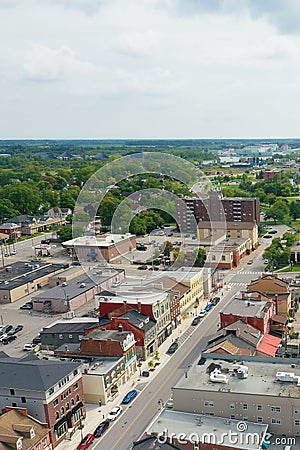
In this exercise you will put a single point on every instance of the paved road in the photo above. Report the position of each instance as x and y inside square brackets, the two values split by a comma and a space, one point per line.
[135, 419]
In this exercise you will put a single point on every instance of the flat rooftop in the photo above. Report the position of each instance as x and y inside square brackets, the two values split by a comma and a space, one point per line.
[246, 307]
[78, 285]
[208, 429]
[104, 240]
[132, 295]
[21, 272]
[261, 377]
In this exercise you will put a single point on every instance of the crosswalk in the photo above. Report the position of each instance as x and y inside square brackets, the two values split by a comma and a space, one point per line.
[232, 283]
[249, 273]
[183, 337]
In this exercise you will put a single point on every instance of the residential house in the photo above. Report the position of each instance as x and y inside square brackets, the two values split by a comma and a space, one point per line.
[11, 230]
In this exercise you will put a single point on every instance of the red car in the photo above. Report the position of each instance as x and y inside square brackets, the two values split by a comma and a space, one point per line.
[86, 442]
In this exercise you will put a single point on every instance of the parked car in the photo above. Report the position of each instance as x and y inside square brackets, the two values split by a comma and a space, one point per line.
[29, 347]
[101, 428]
[145, 373]
[268, 236]
[16, 329]
[215, 300]
[155, 268]
[114, 413]
[273, 232]
[9, 338]
[129, 396]
[36, 340]
[202, 314]
[6, 328]
[27, 305]
[195, 321]
[143, 267]
[208, 307]
[86, 442]
[250, 262]
[173, 347]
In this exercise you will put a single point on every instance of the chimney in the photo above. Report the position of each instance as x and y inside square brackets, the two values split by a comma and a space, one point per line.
[120, 328]
[243, 295]
[259, 296]
[66, 348]
[139, 307]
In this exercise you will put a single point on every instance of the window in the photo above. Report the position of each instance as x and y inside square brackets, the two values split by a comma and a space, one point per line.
[223, 257]
[75, 386]
[72, 402]
[67, 406]
[259, 408]
[56, 415]
[259, 419]
[245, 406]
[70, 336]
[51, 390]
[14, 404]
[38, 447]
[245, 418]
[297, 422]
[60, 336]
[209, 403]
[276, 409]
[12, 392]
[55, 403]
[232, 405]
[75, 372]
[62, 410]
[23, 399]
[276, 421]
[232, 416]
[77, 398]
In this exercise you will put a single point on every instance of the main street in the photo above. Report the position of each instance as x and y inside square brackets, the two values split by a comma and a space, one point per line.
[135, 418]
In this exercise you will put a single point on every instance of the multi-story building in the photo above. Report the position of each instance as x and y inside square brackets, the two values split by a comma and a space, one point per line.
[245, 388]
[65, 332]
[276, 289]
[152, 302]
[214, 208]
[258, 314]
[50, 390]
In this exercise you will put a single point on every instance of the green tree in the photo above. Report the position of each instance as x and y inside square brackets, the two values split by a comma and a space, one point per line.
[23, 196]
[200, 257]
[294, 210]
[168, 248]
[7, 210]
[278, 211]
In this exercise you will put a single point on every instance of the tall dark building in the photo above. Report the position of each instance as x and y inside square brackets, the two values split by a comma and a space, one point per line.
[214, 208]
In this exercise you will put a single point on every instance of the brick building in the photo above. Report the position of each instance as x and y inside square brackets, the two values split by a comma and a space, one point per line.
[51, 391]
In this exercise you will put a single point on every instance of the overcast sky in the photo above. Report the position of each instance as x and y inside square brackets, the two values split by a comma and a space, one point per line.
[149, 68]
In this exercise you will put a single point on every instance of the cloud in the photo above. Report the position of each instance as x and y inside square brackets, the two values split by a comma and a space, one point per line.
[48, 64]
[138, 44]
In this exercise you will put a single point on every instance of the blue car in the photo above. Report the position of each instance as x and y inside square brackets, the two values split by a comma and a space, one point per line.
[129, 396]
[208, 307]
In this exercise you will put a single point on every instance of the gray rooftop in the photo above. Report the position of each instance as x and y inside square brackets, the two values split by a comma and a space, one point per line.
[22, 272]
[261, 377]
[208, 429]
[136, 319]
[104, 335]
[69, 327]
[33, 374]
[249, 308]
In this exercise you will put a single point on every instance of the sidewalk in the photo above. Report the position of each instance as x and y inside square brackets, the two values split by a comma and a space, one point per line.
[95, 414]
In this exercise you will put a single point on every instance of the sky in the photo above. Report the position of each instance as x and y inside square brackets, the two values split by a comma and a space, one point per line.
[149, 69]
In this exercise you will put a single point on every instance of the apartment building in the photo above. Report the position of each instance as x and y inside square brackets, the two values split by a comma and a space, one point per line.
[240, 387]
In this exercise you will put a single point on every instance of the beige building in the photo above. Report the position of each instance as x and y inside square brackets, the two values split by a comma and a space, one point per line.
[245, 388]
[233, 230]
[276, 289]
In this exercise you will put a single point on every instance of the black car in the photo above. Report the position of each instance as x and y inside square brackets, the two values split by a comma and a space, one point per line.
[27, 305]
[36, 340]
[16, 329]
[173, 347]
[273, 232]
[101, 428]
[215, 300]
[145, 373]
[8, 339]
[6, 328]
[196, 321]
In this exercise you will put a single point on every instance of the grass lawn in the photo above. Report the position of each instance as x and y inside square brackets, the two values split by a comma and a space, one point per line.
[295, 268]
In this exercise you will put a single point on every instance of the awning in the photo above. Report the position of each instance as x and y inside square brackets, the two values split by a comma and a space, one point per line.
[69, 415]
[269, 345]
[60, 423]
[77, 407]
